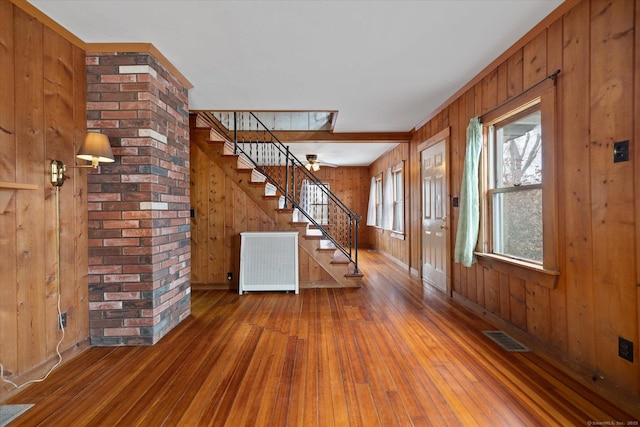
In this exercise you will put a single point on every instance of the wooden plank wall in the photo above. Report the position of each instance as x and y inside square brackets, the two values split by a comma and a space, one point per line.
[596, 298]
[42, 117]
[351, 185]
[223, 211]
[381, 239]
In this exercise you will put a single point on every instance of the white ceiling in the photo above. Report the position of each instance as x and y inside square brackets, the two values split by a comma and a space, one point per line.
[383, 65]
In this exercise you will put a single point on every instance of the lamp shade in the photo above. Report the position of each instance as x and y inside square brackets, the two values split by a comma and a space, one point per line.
[96, 148]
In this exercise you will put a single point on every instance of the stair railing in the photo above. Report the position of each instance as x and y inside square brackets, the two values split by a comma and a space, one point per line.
[257, 144]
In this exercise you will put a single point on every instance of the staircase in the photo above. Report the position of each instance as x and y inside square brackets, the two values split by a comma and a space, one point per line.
[274, 179]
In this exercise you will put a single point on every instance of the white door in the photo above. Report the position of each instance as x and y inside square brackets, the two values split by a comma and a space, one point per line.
[434, 216]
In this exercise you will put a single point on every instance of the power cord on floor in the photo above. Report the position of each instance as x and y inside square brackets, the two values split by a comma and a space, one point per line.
[61, 326]
[60, 323]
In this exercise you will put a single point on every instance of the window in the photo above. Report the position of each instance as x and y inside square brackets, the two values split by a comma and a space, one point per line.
[398, 198]
[515, 185]
[379, 200]
[387, 196]
[319, 203]
[519, 206]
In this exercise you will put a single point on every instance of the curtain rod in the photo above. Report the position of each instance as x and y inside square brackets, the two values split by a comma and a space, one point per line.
[551, 76]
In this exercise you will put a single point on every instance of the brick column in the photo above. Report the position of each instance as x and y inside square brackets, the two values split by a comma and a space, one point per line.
[139, 237]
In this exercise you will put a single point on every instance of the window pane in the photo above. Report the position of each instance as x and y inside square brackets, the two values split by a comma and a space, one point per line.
[518, 152]
[378, 202]
[319, 204]
[398, 187]
[517, 227]
[398, 217]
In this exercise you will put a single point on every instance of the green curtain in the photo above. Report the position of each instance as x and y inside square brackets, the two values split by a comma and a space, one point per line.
[469, 214]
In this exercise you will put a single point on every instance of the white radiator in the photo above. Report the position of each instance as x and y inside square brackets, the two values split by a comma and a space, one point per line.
[268, 261]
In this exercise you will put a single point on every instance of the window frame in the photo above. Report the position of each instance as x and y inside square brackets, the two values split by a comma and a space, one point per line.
[315, 192]
[398, 199]
[496, 161]
[379, 201]
[543, 95]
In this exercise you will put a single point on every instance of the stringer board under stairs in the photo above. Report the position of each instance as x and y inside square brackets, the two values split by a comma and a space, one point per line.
[263, 193]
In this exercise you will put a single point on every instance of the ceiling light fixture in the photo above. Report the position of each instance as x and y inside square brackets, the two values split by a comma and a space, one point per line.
[95, 149]
[312, 163]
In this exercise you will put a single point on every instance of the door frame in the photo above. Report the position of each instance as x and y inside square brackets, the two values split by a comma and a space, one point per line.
[443, 135]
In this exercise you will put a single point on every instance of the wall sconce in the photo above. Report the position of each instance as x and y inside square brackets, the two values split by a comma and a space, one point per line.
[95, 149]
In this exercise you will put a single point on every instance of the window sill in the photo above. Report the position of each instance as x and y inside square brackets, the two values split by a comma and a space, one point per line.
[397, 235]
[521, 269]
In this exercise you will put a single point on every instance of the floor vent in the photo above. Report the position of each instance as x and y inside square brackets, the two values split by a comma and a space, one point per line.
[505, 341]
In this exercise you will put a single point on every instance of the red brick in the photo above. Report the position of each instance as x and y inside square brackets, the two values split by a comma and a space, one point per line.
[121, 224]
[113, 305]
[103, 106]
[121, 278]
[137, 232]
[145, 321]
[119, 115]
[121, 296]
[139, 105]
[140, 178]
[119, 78]
[137, 214]
[142, 286]
[104, 215]
[134, 87]
[115, 332]
[103, 197]
[133, 250]
[118, 97]
[102, 124]
[121, 242]
[137, 268]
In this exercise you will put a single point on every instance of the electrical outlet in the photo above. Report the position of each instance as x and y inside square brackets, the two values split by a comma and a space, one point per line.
[229, 276]
[62, 321]
[625, 349]
[620, 151]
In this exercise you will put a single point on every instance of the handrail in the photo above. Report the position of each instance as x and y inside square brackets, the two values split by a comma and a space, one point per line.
[253, 141]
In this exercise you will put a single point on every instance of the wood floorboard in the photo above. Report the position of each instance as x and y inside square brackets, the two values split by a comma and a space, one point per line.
[392, 353]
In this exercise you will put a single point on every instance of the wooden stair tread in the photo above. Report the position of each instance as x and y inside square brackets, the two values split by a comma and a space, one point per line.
[298, 223]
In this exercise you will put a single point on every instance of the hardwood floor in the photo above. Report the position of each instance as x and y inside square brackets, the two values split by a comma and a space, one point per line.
[390, 353]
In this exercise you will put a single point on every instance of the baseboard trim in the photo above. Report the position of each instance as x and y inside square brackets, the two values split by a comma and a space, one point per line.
[213, 287]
